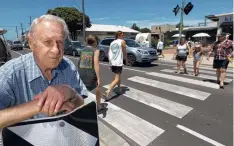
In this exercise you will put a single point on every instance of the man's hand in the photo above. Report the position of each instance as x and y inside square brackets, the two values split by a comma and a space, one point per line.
[55, 99]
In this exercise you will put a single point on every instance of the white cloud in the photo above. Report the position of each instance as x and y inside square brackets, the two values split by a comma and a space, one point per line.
[103, 18]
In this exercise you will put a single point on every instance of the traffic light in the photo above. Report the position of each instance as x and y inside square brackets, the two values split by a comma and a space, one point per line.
[176, 9]
[188, 8]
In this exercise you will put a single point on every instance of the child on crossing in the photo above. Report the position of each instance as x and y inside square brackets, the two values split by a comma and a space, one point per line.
[197, 55]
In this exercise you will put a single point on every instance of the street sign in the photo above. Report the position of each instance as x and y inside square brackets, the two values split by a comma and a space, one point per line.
[188, 8]
[176, 9]
[77, 128]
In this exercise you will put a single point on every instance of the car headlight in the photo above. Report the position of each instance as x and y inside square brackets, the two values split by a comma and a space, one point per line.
[143, 52]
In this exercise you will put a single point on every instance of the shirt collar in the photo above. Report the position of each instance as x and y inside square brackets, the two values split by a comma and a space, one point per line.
[34, 71]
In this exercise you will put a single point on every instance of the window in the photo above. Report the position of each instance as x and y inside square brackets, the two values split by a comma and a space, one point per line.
[76, 44]
[107, 42]
[132, 43]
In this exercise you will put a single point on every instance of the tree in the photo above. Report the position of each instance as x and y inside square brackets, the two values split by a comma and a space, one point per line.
[135, 27]
[145, 30]
[73, 18]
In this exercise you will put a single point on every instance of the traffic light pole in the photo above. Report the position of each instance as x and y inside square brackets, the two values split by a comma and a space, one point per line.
[181, 20]
[83, 9]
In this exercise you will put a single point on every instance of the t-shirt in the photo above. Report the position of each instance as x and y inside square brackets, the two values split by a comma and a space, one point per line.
[116, 53]
[86, 66]
[182, 50]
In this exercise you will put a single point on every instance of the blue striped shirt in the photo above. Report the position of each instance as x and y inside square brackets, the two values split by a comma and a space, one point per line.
[21, 79]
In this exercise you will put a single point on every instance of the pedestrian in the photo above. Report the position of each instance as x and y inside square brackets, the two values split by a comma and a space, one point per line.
[117, 53]
[160, 47]
[88, 68]
[222, 49]
[41, 83]
[181, 55]
[197, 54]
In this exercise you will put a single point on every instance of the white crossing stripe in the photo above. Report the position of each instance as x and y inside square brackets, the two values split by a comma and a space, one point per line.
[209, 72]
[107, 135]
[175, 109]
[209, 68]
[135, 128]
[200, 75]
[199, 135]
[185, 80]
[196, 94]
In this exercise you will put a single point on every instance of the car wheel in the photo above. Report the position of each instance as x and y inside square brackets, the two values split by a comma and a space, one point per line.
[131, 59]
[73, 53]
[102, 56]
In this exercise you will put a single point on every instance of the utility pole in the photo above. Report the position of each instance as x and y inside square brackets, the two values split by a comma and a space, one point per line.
[17, 32]
[181, 19]
[22, 29]
[83, 10]
[30, 20]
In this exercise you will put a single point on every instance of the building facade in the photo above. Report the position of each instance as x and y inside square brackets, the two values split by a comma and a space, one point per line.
[162, 28]
[103, 31]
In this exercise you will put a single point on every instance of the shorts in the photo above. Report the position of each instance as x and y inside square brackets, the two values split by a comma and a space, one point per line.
[116, 69]
[181, 58]
[159, 51]
[220, 64]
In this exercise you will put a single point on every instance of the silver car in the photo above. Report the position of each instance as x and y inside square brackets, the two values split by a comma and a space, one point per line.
[136, 53]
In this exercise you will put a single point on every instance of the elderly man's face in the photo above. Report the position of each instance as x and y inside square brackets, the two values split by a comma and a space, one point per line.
[48, 44]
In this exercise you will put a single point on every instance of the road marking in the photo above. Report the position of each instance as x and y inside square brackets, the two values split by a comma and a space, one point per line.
[208, 68]
[173, 108]
[200, 75]
[199, 135]
[196, 94]
[109, 137]
[209, 72]
[185, 80]
[135, 128]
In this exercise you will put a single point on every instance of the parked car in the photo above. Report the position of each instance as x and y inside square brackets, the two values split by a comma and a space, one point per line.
[73, 48]
[136, 53]
[17, 45]
[5, 54]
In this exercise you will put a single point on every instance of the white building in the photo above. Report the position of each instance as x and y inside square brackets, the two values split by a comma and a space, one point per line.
[103, 31]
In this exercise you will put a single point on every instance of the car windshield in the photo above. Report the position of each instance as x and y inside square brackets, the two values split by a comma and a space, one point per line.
[132, 43]
[17, 42]
[76, 44]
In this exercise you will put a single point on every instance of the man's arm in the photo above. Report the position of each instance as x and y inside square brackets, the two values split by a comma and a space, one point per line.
[16, 114]
[123, 44]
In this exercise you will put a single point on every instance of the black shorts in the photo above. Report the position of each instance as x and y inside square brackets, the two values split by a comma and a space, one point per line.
[181, 58]
[220, 64]
[116, 69]
[159, 51]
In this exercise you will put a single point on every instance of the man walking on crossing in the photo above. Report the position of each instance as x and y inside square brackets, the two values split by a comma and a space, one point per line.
[160, 47]
[116, 53]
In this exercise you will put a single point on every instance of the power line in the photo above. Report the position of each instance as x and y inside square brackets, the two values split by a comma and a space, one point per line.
[77, 6]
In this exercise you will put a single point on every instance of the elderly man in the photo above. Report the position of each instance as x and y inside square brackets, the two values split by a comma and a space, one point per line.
[41, 83]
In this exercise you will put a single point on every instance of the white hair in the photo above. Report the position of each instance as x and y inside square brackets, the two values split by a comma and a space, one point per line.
[53, 18]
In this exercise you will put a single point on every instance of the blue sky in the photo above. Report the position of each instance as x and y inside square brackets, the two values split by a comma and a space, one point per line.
[117, 12]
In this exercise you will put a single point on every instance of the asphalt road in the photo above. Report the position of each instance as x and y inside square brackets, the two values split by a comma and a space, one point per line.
[162, 108]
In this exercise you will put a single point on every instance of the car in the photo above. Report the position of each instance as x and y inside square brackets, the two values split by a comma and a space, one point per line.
[135, 52]
[17, 45]
[73, 48]
[5, 54]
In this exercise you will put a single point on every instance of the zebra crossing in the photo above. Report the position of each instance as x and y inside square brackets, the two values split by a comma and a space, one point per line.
[132, 128]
